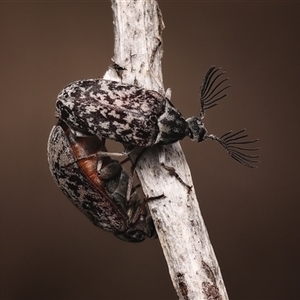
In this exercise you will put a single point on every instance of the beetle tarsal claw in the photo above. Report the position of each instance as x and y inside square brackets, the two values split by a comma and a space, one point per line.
[148, 199]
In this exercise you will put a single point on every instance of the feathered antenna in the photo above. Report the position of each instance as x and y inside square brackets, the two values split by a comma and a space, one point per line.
[233, 142]
[210, 91]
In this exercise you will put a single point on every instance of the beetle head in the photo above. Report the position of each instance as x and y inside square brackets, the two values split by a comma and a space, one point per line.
[197, 131]
[144, 228]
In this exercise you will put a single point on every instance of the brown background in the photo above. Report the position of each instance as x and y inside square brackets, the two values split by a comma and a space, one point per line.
[50, 251]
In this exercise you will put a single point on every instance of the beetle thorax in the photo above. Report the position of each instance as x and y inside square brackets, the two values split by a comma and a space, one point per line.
[196, 128]
[172, 127]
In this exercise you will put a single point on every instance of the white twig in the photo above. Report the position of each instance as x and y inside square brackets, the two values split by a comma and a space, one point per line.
[193, 267]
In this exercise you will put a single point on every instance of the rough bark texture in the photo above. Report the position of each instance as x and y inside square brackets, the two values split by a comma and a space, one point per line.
[193, 267]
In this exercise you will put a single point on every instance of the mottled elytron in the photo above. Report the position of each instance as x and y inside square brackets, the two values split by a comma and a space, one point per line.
[97, 185]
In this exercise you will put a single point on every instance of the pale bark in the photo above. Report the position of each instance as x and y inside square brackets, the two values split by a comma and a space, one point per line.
[193, 266]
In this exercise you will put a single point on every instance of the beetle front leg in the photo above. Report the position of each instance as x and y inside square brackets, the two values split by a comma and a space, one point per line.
[127, 150]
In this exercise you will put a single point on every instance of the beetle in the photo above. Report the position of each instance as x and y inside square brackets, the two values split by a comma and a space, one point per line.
[97, 185]
[136, 116]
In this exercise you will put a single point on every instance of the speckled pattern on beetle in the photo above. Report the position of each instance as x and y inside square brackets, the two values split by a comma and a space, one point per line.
[121, 112]
[97, 185]
[136, 116]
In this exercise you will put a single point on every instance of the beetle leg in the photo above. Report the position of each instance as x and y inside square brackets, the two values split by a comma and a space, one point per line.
[104, 154]
[148, 199]
[130, 180]
[141, 220]
[108, 171]
[129, 189]
[172, 172]
[127, 150]
[139, 214]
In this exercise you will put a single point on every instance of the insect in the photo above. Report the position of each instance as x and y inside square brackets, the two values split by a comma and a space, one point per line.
[97, 185]
[136, 116]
